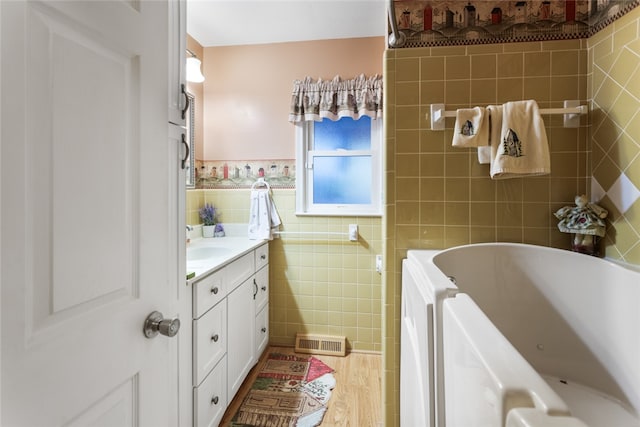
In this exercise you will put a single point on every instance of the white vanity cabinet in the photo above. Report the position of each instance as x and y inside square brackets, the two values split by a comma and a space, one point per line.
[230, 330]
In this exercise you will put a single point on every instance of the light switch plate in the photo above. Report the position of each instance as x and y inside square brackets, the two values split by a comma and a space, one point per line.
[353, 232]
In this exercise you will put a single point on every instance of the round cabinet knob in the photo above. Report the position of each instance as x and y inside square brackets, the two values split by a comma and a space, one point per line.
[215, 338]
[214, 290]
[215, 400]
[155, 323]
[264, 288]
[263, 330]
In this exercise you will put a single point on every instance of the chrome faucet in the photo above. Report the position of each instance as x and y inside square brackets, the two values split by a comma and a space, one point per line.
[189, 228]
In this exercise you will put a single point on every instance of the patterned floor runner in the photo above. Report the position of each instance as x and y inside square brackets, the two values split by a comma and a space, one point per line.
[290, 391]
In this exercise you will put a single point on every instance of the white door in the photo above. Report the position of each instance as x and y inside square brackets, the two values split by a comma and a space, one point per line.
[88, 237]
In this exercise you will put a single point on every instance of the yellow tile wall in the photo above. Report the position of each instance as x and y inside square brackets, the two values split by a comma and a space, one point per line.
[439, 196]
[319, 284]
[614, 86]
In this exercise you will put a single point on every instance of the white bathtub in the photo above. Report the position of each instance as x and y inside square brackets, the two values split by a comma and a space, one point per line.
[527, 336]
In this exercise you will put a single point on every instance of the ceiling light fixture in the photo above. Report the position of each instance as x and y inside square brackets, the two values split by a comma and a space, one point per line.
[194, 74]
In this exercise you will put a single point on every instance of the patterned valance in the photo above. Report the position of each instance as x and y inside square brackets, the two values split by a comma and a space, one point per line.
[336, 98]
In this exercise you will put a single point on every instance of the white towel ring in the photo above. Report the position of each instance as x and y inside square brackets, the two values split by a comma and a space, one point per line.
[260, 182]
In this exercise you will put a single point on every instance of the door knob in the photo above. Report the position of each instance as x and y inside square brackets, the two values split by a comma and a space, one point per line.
[156, 323]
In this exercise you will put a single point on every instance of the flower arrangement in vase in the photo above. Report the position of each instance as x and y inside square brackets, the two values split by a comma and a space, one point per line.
[209, 216]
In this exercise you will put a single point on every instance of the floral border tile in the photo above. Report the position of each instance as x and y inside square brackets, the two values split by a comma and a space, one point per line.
[243, 173]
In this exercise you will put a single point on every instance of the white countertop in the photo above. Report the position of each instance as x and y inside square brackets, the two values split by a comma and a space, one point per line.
[223, 251]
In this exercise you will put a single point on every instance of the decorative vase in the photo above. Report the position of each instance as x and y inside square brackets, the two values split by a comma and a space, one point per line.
[208, 230]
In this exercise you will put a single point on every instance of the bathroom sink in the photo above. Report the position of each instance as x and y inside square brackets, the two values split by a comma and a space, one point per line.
[196, 254]
[207, 255]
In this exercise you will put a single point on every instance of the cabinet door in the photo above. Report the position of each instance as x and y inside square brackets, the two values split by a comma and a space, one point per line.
[262, 331]
[177, 252]
[177, 62]
[240, 336]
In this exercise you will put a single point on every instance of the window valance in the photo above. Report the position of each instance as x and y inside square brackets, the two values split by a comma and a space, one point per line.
[334, 99]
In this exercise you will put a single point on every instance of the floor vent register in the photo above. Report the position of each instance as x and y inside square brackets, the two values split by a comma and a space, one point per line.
[329, 345]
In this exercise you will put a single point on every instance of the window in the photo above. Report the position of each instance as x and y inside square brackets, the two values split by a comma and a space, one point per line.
[339, 167]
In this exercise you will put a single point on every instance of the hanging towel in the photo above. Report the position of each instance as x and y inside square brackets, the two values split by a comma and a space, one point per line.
[263, 216]
[523, 149]
[494, 116]
[484, 155]
[471, 128]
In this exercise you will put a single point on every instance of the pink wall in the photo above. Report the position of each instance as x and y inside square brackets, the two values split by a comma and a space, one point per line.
[247, 91]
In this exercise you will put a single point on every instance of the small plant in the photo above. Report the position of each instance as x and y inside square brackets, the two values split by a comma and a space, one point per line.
[208, 214]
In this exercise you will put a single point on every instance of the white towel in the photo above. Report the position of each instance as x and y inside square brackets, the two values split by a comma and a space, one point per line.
[263, 216]
[523, 149]
[484, 155]
[494, 114]
[471, 128]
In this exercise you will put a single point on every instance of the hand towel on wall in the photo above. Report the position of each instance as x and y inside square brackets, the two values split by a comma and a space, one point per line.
[487, 154]
[523, 149]
[471, 128]
[484, 155]
[493, 120]
[263, 216]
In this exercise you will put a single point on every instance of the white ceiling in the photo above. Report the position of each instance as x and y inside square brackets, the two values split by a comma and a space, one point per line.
[238, 22]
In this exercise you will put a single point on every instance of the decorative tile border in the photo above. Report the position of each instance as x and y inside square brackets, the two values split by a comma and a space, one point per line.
[452, 22]
[243, 173]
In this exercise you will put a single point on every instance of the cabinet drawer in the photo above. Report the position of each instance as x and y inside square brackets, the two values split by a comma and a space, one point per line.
[262, 256]
[210, 398]
[239, 270]
[262, 331]
[208, 292]
[209, 341]
[261, 288]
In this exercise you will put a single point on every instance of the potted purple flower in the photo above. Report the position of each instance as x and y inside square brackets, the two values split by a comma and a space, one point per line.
[209, 217]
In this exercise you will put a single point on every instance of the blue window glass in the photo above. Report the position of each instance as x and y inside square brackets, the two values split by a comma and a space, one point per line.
[342, 180]
[345, 134]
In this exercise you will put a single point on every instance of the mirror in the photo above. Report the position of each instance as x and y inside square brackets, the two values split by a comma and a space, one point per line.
[190, 125]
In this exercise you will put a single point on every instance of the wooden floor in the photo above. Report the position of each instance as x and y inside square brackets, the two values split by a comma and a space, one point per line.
[356, 400]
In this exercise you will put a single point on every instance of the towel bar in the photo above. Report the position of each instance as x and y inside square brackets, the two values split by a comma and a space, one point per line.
[571, 110]
[352, 234]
